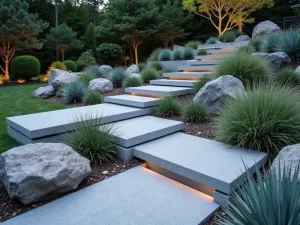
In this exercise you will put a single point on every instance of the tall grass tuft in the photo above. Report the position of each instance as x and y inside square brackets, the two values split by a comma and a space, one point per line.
[211, 40]
[117, 77]
[95, 69]
[249, 69]
[92, 98]
[247, 49]
[157, 66]
[73, 92]
[168, 107]
[228, 36]
[193, 44]
[270, 44]
[290, 44]
[195, 113]
[132, 82]
[200, 84]
[165, 55]
[93, 139]
[86, 77]
[149, 74]
[154, 55]
[177, 55]
[188, 54]
[287, 77]
[267, 120]
[201, 52]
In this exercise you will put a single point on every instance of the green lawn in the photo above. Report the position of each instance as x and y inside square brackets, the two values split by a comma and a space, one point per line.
[16, 101]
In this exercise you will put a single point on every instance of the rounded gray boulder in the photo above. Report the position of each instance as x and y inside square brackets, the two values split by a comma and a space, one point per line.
[263, 29]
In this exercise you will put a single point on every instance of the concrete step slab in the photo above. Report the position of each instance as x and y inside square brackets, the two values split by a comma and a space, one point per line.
[174, 83]
[222, 51]
[202, 63]
[210, 57]
[187, 68]
[59, 121]
[137, 196]
[131, 100]
[186, 75]
[208, 162]
[158, 91]
[223, 45]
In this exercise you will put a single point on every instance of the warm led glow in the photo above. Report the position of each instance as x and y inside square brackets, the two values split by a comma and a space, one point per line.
[1, 82]
[209, 59]
[44, 78]
[21, 81]
[184, 78]
[145, 95]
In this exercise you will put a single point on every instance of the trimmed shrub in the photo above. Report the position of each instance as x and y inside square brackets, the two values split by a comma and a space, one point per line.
[229, 36]
[270, 198]
[149, 74]
[117, 77]
[141, 66]
[256, 44]
[132, 82]
[95, 69]
[247, 49]
[195, 113]
[109, 54]
[154, 55]
[157, 66]
[93, 141]
[267, 120]
[188, 54]
[86, 59]
[193, 44]
[92, 98]
[249, 69]
[200, 84]
[177, 55]
[201, 52]
[25, 67]
[73, 92]
[271, 42]
[168, 107]
[287, 77]
[86, 77]
[164, 55]
[290, 44]
[211, 41]
[71, 65]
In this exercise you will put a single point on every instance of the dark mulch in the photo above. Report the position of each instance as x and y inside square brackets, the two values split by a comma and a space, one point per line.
[11, 208]
[14, 83]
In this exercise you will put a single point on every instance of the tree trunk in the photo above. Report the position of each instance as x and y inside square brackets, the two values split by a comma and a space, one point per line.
[166, 44]
[135, 47]
[240, 25]
[6, 75]
[56, 24]
[62, 56]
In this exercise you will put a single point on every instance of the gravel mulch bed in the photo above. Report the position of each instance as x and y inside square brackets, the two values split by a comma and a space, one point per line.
[11, 208]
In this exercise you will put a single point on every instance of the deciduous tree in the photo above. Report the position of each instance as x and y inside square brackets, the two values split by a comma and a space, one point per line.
[226, 14]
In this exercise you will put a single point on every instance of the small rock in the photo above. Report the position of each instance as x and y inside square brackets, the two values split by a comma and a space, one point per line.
[44, 92]
[101, 84]
[105, 172]
[132, 69]
[105, 70]
[63, 78]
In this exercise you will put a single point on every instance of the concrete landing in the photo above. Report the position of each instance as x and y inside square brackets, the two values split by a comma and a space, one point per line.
[53, 122]
[186, 75]
[187, 68]
[158, 91]
[137, 196]
[174, 83]
[208, 162]
[131, 100]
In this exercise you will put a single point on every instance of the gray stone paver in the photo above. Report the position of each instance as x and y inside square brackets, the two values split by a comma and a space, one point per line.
[163, 91]
[131, 100]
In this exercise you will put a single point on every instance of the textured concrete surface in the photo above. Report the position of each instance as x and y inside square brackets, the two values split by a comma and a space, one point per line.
[203, 63]
[131, 100]
[222, 51]
[212, 163]
[187, 75]
[210, 57]
[162, 91]
[59, 121]
[175, 83]
[137, 196]
[197, 68]
[223, 45]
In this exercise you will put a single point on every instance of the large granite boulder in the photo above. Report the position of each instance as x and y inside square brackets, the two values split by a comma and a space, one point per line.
[132, 69]
[53, 74]
[263, 29]
[105, 70]
[242, 38]
[214, 94]
[276, 60]
[40, 171]
[101, 84]
[289, 156]
[63, 79]
[44, 92]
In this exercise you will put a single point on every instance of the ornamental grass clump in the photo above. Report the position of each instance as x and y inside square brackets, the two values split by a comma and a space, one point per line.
[86, 77]
[165, 55]
[94, 69]
[168, 107]
[228, 36]
[271, 198]
[247, 49]
[267, 119]
[290, 44]
[256, 44]
[200, 84]
[149, 74]
[195, 113]
[92, 98]
[287, 77]
[154, 55]
[193, 44]
[132, 82]
[156, 65]
[250, 69]
[177, 55]
[73, 92]
[188, 54]
[270, 43]
[211, 40]
[93, 139]
[201, 52]
[117, 77]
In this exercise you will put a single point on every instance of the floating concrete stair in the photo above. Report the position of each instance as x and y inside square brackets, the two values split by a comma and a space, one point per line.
[187, 68]
[202, 63]
[174, 83]
[158, 91]
[222, 51]
[131, 100]
[186, 75]
[136, 196]
[224, 45]
[210, 57]
[216, 167]
[38, 125]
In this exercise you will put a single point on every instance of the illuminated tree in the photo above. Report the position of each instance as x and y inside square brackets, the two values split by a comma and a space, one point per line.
[226, 14]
